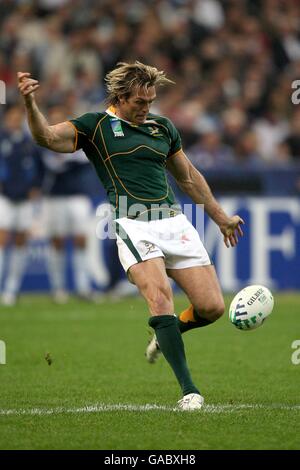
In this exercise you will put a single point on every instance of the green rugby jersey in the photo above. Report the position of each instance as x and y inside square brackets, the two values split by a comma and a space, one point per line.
[130, 161]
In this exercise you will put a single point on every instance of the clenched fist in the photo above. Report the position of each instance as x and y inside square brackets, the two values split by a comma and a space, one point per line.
[27, 85]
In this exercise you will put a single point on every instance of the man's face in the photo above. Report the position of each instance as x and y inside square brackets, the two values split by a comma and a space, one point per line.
[136, 108]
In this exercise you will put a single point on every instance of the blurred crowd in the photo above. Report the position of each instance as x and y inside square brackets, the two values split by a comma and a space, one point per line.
[233, 62]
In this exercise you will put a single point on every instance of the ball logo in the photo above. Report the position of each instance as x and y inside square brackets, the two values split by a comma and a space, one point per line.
[240, 309]
[254, 297]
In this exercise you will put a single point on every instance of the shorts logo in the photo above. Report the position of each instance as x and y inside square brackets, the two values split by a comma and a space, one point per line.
[150, 247]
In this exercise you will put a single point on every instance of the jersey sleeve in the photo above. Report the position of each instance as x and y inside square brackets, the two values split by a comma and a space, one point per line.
[84, 127]
[175, 144]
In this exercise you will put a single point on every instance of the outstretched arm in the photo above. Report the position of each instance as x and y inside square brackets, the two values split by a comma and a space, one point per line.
[193, 183]
[59, 138]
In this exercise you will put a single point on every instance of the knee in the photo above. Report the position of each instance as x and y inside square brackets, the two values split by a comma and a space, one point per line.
[80, 242]
[58, 243]
[219, 309]
[20, 239]
[214, 310]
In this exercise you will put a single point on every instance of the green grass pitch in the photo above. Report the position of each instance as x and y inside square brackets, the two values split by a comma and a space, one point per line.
[94, 393]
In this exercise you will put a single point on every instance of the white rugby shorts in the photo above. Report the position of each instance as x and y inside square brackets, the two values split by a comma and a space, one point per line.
[67, 215]
[173, 238]
[15, 216]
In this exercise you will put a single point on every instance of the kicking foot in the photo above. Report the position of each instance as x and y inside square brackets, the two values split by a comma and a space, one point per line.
[190, 402]
[152, 352]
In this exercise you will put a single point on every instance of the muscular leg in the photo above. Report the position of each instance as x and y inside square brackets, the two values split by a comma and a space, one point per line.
[201, 285]
[151, 279]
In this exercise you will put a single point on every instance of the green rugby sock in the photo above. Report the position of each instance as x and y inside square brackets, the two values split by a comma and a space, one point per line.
[172, 347]
[190, 319]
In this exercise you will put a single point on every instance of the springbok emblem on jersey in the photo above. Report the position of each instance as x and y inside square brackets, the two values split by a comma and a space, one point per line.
[154, 131]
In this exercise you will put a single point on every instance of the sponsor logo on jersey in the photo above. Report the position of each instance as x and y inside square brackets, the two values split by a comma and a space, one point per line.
[116, 126]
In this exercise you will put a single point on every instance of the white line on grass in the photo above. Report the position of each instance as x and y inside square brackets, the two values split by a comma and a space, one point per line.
[102, 407]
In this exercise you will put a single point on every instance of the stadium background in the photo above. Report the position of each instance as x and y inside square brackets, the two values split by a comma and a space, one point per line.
[75, 375]
[234, 63]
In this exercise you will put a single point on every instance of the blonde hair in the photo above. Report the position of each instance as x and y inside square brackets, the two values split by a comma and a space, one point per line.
[125, 77]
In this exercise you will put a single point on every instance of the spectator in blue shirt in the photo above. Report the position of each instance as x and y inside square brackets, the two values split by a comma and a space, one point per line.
[19, 186]
[66, 186]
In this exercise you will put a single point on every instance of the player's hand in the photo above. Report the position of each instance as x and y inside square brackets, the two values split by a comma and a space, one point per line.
[27, 85]
[232, 230]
